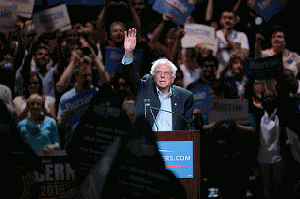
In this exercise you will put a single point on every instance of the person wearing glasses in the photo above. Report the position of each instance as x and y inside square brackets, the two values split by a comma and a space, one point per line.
[166, 106]
[38, 130]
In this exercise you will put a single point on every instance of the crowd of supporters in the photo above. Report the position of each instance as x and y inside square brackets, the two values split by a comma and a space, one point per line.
[40, 73]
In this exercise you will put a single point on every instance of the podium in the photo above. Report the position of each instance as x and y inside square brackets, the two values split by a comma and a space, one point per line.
[182, 143]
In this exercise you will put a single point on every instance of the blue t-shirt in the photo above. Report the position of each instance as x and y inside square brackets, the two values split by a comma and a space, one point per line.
[38, 136]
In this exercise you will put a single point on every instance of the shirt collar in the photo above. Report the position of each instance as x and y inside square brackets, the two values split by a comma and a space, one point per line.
[243, 80]
[272, 116]
[160, 93]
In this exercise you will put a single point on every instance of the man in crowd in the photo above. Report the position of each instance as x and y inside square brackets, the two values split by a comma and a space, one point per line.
[230, 40]
[275, 129]
[167, 107]
[74, 103]
[41, 63]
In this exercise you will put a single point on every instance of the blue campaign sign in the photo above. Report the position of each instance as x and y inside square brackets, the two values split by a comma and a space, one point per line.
[178, 9]
[159, 6]
[263, 68]
[113, 58]
[178, 157]
[202, 98]
[78, 104]
[268, 8]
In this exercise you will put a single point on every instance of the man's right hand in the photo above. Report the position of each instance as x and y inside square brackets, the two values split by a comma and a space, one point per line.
[130, 42]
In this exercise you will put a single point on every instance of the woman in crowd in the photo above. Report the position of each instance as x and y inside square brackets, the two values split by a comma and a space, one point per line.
[234, 76]
[33, 85]
[39, 130]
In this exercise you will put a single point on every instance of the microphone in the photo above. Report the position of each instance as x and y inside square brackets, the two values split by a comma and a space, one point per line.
[169, 112]
[147, 104]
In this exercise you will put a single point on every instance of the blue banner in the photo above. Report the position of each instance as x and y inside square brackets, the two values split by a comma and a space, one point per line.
[263, 68]
[178, 9]
[268, 8]
[113, 59]
[178, 157]
[78, 105]
[202, 98]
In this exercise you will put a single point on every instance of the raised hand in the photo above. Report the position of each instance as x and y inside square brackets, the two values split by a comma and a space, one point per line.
[166, 17]
[130, 40]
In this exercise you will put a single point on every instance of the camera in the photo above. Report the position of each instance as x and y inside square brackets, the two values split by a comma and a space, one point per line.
[87, 59]
[86, 51]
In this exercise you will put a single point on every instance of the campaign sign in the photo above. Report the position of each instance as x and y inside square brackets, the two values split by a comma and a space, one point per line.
[196, 33]
[159, 6]
[178, 157]
[178, 9]
[100, 126]
[263, 68]
[202, 98]
[57, 178]
[229, 109]
[113, 59]
[78, 105]
[8, 16]
[268, 8]
[24, 7]
[53, 18]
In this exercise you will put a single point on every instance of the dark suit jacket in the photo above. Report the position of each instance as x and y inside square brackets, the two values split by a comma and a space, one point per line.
[230, 82]
[145, 88]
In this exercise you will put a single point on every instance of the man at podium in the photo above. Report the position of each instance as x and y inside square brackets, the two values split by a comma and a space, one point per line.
[166, 106]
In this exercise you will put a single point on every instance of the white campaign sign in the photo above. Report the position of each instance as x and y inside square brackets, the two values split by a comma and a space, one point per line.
[196, 33]
[53, 18]
[24, 7]
[8, 17]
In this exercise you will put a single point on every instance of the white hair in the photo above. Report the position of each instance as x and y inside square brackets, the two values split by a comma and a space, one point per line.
[163, 61]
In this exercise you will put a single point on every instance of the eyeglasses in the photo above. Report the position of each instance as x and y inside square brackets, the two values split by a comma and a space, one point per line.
[166, 73]
[45, 54]
[139, 3]
[34, 83]
[37, 103]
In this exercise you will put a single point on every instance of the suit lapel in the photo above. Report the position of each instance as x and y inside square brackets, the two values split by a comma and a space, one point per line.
[174, 100]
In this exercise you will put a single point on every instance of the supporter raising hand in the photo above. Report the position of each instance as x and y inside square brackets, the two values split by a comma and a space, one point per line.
[170, 48]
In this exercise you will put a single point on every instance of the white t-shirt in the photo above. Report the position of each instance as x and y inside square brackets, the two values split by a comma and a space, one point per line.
[269, 149]
[189, 76]
[223, 52]
[20, 102]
